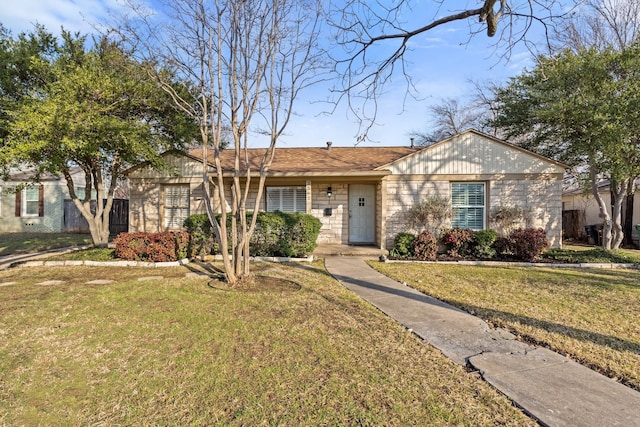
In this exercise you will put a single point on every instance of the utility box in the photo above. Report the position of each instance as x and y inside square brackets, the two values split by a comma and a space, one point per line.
[328, 211]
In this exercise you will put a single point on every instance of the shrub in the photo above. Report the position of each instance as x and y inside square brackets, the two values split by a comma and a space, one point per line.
[152, 247]
[403, 245]
[502, 246]
[266, 237]
[458, 241]
[528, 243]
[201, 240]
[482, 245]
[425, 246]
[430, 213]
[287, 234]
[300, 235]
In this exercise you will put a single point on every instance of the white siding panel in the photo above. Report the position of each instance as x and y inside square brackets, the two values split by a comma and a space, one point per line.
[473, 154]
[178, 166]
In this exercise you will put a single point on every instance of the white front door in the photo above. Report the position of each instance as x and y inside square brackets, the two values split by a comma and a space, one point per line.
[362, 213]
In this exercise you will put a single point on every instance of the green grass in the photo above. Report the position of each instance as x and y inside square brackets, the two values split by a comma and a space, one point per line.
[188, 351]
[591, 315]
[582, 254]
[90, 254]
[19, 243]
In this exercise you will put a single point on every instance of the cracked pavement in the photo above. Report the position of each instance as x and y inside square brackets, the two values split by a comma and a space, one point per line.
[551, 388]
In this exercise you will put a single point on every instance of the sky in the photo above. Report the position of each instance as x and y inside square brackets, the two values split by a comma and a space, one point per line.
[441, 63]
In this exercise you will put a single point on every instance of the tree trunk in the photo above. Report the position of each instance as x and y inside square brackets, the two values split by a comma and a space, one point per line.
[617, 234]
[603, 211]
[619, 193]
[628, 219]
[99, 220]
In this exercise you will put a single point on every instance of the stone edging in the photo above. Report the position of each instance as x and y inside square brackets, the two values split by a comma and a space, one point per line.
[272, 258]
[606, 265]
[123, 263]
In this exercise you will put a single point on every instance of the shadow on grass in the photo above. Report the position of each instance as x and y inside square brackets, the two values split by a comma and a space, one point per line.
[24, 243]
[497, 316]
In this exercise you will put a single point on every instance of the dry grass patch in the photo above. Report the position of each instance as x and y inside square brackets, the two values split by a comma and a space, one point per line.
[18, 243]
[591, 315]
[179, 352]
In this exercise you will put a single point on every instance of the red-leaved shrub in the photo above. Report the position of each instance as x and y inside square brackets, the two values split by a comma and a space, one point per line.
[152, 247]
[527, 244]
[458, 242]
[425, 246]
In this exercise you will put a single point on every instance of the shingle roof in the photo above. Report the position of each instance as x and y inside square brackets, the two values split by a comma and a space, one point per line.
[318, 160]
[26, 175]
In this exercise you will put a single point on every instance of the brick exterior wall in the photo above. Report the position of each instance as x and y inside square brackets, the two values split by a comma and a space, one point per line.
[541, 199]
[335, 228]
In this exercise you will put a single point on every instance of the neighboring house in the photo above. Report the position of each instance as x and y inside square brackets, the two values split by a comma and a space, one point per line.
[362, 194]
[36, 207]
[46, 207]
[581, 210]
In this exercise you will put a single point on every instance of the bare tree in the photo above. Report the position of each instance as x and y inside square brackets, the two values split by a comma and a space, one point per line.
[449, 117]
[601, 24]
[375, 38]
[245, 62]
[454, 115]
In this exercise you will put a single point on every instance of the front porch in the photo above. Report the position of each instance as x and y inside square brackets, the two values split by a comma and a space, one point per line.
[328, 249]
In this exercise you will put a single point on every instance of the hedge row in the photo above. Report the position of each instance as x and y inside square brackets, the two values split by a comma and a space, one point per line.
[276, 234]
[152, 247]
[522, 244]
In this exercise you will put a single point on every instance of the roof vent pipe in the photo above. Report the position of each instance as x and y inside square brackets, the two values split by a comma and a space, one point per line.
[329, 145]
[412, 146]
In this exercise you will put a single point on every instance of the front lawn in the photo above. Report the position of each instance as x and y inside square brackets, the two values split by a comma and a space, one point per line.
[178, 350]
[20, 243]
[591, 254]
[591, 315]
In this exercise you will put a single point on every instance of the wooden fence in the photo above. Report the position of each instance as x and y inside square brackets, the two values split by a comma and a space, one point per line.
[74, 222]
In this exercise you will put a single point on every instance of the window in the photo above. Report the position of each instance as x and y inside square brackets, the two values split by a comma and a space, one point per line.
[176, 205]
[468, 203]
[287, 199]
[79, 192]
[31, 201]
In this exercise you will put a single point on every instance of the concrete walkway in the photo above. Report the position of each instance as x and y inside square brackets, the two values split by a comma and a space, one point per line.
[551, 388]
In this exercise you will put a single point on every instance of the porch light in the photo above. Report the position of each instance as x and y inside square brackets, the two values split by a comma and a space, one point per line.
[329, 192]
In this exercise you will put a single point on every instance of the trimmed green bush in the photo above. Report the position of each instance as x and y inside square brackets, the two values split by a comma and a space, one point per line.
[403, 245]
[299, 238]
[482, 245]
[276, 234]
[202, 241]
[268, 234]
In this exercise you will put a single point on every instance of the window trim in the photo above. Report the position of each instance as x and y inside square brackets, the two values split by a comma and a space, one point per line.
[22, 201]
[165, 206]
[469, 206]
[295, 197]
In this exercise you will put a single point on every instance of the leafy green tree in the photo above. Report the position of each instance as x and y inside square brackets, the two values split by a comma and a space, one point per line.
[21, 71]
[582, 109]
[101, 112]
